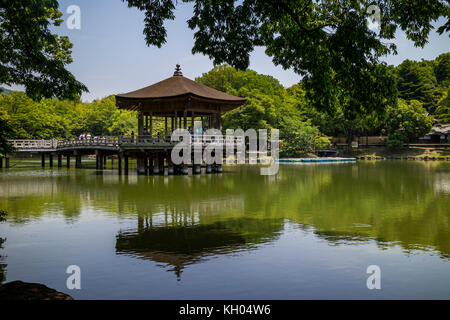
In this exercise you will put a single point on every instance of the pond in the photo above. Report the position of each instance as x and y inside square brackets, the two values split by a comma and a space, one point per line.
[309, 232]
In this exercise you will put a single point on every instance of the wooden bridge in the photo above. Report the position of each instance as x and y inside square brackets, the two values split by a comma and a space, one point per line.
[152, 152]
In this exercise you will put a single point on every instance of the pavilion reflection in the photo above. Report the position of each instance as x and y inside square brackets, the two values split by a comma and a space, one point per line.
[182, 243]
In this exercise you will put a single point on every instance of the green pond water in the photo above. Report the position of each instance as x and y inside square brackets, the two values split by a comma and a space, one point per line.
[309, 232]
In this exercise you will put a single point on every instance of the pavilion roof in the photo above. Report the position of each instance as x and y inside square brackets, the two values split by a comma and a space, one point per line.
[174, 88]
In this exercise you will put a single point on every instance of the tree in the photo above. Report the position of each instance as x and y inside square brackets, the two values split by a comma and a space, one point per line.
[326, 42]
[269, 105]
[31, 55]
[443, 109]
[407, 121]
[6, 132]
[442, 69]
[60, 119]
[417, 81]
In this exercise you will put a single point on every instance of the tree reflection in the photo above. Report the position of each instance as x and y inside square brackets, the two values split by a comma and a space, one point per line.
[392, 202]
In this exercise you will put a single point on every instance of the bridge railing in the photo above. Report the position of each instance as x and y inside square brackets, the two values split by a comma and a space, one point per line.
[94, 141]
[117, 141]
[34, 144]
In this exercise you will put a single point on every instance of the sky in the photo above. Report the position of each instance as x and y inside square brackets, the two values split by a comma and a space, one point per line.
[111, 57]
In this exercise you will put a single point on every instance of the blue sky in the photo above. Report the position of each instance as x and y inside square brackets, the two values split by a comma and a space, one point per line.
[110, 55]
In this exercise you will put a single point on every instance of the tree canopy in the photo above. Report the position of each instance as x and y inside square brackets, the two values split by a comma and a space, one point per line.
[269, 105]
[59, 119]
[328, 42]
[31, 55]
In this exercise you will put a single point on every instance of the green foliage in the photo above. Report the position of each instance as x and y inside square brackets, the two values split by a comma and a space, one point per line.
[407, 121]
[417, 81]
[269, 105]
[31, 55]
[3, 215]
[6, 132]
[442, 69]
[443, 109]
[53, 118]
[327, 42]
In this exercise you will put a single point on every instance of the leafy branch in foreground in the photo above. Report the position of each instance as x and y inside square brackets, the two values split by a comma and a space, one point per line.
[327, 42]
[31, 55]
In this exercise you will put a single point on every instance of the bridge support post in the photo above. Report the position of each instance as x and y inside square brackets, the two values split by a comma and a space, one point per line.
[104, 161]
[141, 167]
[119, 164]
[43, 160]
[100, 161]
[1, 162]
[7, 166]
[145, 164]
[161, 163]
[59, 160]
[68, 161]
[126, 165]
[196, 169]
[112, 162]
[78, 161]
[170, 170]
[50, 160]
[156, 164]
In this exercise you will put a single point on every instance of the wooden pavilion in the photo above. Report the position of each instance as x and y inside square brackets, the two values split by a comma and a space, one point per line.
[177, 100]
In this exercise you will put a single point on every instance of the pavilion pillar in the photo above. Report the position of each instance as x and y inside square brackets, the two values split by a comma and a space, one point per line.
[1, 162]
[165, 128]
[59, 160]
[146, 123]
[185, 119]
[151, 124]
[50, 160]
[140, 123]
[175, 122]
[105, 158]
[43, 160]
[219, 121]
[112, 162]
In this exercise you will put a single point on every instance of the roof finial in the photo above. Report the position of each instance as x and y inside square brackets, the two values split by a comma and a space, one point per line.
[177, 71]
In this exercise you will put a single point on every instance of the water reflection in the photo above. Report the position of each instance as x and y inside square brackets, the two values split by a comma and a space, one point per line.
[181, 244]
[390, 202]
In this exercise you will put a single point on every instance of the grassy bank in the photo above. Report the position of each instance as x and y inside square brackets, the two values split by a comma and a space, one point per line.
[413, 153]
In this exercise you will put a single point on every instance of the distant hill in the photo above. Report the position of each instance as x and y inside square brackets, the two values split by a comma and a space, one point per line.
[4, 90]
